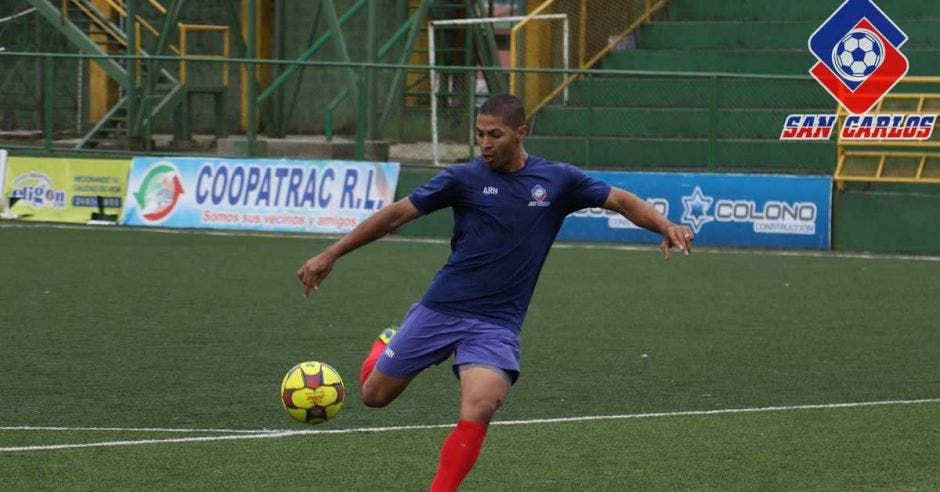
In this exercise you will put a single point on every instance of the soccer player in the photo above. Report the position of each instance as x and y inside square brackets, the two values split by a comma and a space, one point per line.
[508, 207]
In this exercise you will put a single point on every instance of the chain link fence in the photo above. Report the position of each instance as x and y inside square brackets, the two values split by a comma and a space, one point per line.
[21, 29]
[612, 119]
[589, 30]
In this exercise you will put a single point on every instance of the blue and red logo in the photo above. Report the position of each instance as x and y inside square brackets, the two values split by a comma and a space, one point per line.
[159, 192]
[539, 193]
[858, 53]
[858, 62]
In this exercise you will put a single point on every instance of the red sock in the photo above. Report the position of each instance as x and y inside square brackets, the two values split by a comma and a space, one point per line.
[458, 455]
[367, 365]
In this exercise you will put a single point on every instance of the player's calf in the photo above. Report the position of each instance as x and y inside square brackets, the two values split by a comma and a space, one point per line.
[380, 389]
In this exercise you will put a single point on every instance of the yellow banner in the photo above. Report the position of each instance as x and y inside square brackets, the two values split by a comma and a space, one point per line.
[65, 190]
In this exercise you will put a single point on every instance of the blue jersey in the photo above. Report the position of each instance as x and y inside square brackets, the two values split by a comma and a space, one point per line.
[504, 225]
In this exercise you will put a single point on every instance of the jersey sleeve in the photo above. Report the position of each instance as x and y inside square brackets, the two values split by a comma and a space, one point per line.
[585, 191]
[437, 193]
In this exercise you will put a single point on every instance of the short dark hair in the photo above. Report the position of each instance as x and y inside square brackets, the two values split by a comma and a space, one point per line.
[506, 106]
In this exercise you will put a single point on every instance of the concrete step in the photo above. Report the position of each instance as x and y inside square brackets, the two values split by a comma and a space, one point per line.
[816, 10]
[761, 34]
[678, 153]
[659, 122]
[314, 146]
[699, 92]
[923, 61]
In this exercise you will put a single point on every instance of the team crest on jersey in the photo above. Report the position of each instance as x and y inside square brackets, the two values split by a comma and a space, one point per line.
[539, 193]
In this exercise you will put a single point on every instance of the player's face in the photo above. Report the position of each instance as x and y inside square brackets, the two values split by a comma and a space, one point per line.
[498, 141]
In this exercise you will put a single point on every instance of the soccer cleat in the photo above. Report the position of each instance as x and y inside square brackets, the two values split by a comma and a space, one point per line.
[387, 334]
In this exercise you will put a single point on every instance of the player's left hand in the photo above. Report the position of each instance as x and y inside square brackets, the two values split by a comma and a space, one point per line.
[677, 237]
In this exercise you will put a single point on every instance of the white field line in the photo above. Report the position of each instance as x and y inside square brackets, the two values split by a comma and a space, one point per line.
[425, 240]
[266, 434]
[136, 429]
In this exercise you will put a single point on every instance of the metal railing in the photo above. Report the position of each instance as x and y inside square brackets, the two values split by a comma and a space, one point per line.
[893, 161]
[185, 29]
[596, 32]
[615, 119]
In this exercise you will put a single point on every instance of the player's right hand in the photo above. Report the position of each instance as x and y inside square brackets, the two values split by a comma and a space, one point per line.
[676, 237]
[314, 270]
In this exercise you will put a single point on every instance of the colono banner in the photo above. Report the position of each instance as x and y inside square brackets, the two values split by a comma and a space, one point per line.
[746, 210]
[257, 194]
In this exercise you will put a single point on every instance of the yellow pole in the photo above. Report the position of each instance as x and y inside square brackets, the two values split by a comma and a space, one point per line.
[537, 54]
[225, 53]
[535, 7]
[182, 30]
[582, 33]
[102, 90]
[419, 56]
[264, 13]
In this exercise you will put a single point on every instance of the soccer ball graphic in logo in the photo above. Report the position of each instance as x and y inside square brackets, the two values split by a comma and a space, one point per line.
[312, 392]
[857, 55]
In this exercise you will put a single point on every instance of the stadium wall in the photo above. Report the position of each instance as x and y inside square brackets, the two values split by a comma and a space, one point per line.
[887, 219]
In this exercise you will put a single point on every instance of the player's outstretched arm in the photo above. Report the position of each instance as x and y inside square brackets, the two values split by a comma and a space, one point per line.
[386, 220]
[644, 215]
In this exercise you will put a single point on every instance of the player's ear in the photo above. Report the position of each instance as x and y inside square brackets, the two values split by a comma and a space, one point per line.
[522, 130]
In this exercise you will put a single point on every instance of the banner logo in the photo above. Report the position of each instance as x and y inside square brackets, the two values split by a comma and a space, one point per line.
[695, 209]
[858, 53]
[37, 190]
[771, 217]
[159, 191]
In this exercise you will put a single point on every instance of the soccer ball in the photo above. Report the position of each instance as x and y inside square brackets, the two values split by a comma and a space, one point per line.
[312, 392]
[857, 55]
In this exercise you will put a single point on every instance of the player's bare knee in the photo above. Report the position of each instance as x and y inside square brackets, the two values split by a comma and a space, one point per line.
[482, 408]
[373, 396]
[375, 401]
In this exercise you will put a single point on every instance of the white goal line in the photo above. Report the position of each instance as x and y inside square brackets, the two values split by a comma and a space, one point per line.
[272, 433]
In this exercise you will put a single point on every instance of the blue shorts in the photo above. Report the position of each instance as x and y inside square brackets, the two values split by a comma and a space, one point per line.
[427, 337]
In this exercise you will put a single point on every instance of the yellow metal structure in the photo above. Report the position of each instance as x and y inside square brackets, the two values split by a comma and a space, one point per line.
[185, 29]
[102, 27]
[418, 81]
[107, 93]
[140, 22]
[264, 25]
[111, 40]
[893, 161]
[592, 24]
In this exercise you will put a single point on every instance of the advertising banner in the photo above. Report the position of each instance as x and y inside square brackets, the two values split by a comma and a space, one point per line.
[257, 194]
[64, 190]
[4, 201]
[745, 210]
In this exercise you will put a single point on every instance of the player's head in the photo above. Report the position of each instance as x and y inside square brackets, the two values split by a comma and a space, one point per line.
[500, 128]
